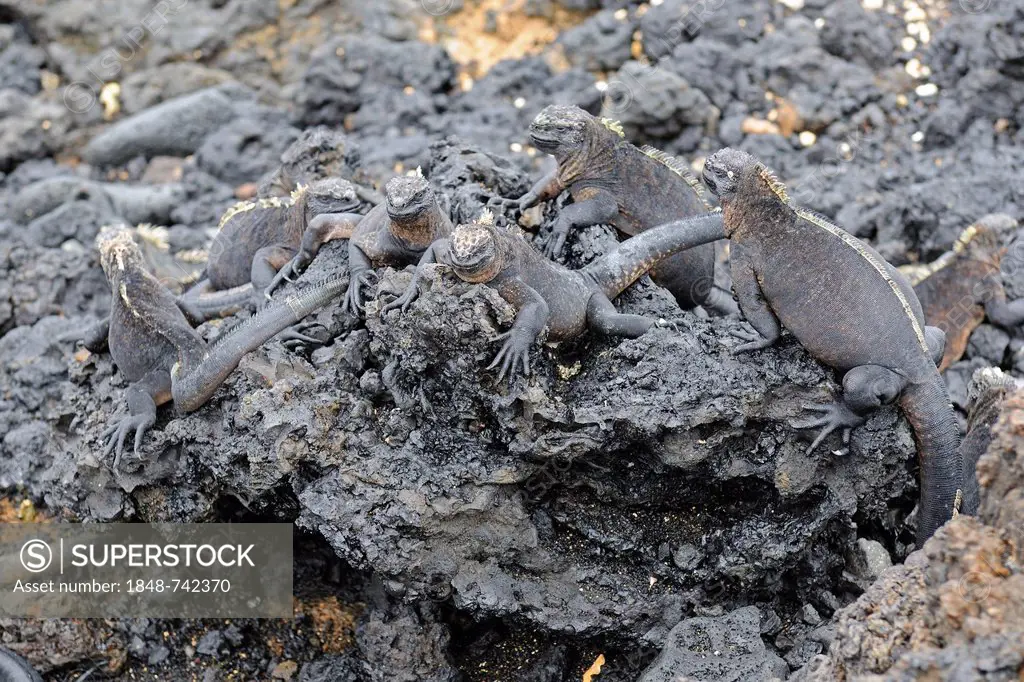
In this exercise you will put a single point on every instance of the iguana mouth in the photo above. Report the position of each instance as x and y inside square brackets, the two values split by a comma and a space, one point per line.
[709, 180]
[544, 142]
[411, 210]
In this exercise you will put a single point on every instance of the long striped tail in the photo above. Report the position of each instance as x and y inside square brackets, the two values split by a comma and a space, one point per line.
[927, 408]
[191, 387]
[637, 255]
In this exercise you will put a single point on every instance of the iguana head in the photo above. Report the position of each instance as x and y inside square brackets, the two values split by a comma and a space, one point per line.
[988, 235]
[560, 130]
[331, 195]
[118, 250]
[475, 253]
[408, 196]
[730, 173]
[726, 170]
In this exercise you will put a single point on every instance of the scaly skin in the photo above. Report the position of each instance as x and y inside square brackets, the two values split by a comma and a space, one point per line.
[985, 396]
[849, 308]
[398, 232]
[155, 347]
[634, 189]
[196, 309]
[965, 285]
[14, 668]
[257, 238]
[547, 294]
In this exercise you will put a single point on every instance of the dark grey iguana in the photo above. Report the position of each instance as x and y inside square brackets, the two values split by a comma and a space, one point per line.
[155, 347]
[849, 308]
[256, 238]
[633, 188]
[398, 232]
[547, 294]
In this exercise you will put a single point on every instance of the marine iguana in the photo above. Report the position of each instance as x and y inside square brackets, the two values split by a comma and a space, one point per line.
[14, 668]
[964, 286]
[547, 294]
[849, 308]
[632, 188]
[400, 231]
[196, 308]
[158, 351]
[985, 395]
[256, 238]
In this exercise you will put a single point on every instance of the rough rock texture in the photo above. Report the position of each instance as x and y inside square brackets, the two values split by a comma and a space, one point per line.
[495, 532]
[727, 648]
[955, 609]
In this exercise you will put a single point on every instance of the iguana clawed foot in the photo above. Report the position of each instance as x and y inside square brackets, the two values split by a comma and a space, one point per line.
[288, 272]
[505, 203]
[354, 295]
[556, 240]
[295, 336]
[514, 354]
[117, 433]
[752, 341]
[833, 416]
[403, 302]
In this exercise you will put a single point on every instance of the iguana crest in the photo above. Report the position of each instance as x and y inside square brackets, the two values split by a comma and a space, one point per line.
[486, 217]
[677, 167]
[152, 234]
[272, 202]
[773, 183]
[297, 193]
[613, 125]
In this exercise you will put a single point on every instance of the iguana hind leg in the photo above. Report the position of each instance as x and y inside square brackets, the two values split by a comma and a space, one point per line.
[142, 397]
[865, 388]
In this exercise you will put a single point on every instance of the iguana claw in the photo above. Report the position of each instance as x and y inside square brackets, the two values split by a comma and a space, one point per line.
[834, 416]
[116, 434]
[515, 352]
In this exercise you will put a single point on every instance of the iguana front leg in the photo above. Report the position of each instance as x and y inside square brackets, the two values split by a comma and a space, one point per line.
[265, 265]
[592, 206]
[93, 337]
[529, 323]
[320, 230]
[753, 305]
[142, 397]
[359, 269]
[412, 292]
[544, 189]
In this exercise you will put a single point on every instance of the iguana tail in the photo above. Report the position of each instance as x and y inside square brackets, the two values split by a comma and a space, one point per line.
[222, 303]
[927, 408]
[14, 668]
[615, 271]
[193, 386]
